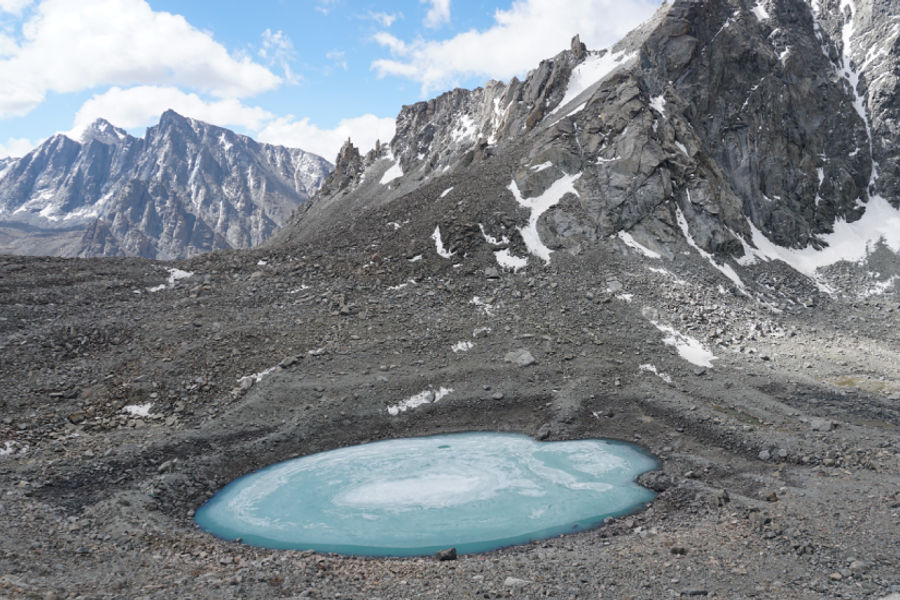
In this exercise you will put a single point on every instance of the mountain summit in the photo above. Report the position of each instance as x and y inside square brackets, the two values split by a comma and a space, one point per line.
[739, 131]
[186, 187]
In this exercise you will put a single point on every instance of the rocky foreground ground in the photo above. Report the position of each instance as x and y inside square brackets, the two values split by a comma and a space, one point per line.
[123, 409]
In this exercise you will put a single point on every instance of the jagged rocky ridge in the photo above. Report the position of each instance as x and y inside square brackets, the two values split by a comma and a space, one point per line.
[186, 187]
[745, 129]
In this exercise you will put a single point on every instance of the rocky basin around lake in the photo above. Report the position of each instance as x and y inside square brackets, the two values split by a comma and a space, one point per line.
[779, 464]
[686, 242]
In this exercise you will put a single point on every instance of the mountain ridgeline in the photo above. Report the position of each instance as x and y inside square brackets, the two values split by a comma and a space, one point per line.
[736, 126]
[185, 188]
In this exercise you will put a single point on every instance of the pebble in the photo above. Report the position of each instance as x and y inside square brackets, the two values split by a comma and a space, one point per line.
[445, 555]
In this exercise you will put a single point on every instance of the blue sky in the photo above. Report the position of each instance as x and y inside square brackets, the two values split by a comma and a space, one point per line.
[303, 73]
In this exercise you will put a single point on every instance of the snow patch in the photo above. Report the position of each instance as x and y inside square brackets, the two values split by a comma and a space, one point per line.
[447, 191]
[541, 167]
[257, 377]
[424, 397]
[465, 130]
[682, 147]
[760, 11]
[725, 269]
[851, 242]
[439, 244]
[138, 410]
[415, 258]
[879, 287]
[577, 109]
[538, 206]
[463, 346]
[13, 447]
[508, 260]
[593, 70]
[400, 286]
[690, 349]
[652, 369]
[658, 103]
[226, 145]
[632, 243]
[487, 309]
[391, 174]
[491, 239]
[668, 273]
[174, 275]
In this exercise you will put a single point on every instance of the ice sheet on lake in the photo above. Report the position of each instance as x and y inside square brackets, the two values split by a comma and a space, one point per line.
[413, 496]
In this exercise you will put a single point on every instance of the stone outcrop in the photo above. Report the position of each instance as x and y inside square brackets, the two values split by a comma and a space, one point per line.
[718, 117]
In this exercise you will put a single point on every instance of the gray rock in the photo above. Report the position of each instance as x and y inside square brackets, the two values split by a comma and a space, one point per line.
[818, 424]
[520, 358]
[544, 432]
[445, 555]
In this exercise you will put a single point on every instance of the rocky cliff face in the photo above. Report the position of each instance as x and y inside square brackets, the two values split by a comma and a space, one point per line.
[186, 187]
[746, 130]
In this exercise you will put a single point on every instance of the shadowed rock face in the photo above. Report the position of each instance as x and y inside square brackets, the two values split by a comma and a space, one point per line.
[186, 187]
[729, 112]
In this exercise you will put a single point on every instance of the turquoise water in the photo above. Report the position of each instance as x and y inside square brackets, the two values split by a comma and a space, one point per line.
[413, 496]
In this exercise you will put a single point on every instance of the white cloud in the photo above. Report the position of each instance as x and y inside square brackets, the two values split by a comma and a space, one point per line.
[324, 6]
[73, 45]
[392, 42]
[384, 19]
[438, 14]
[363, 130]
[13, 6]
[142, 106]
[278, 49]
[529, 31]
[16, 147]
[338, 59]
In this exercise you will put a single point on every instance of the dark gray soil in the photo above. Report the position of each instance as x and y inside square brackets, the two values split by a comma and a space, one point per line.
[780, 465]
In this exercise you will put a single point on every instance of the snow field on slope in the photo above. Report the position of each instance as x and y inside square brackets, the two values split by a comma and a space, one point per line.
[439, 244]
[632, 243]
[689, 348]
[538, 206]
[594, 69]
[391, 174]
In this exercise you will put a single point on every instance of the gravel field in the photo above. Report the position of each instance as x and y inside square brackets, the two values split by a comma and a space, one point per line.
[124, 409]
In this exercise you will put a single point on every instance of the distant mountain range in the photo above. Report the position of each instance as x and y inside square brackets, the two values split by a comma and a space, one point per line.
[185, 188]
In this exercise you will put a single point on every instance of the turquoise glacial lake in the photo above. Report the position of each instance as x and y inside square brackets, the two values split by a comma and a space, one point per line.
[414, 496]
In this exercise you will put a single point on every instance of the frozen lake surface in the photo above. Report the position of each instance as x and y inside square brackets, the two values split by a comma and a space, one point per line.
[413, 496]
